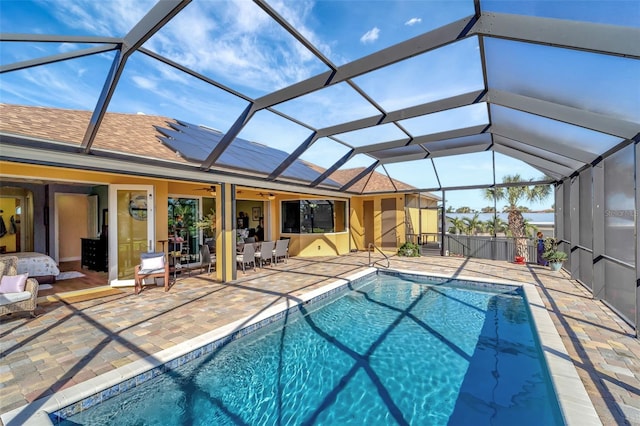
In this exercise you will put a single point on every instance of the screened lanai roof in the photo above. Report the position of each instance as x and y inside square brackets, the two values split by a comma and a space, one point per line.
[437, 95]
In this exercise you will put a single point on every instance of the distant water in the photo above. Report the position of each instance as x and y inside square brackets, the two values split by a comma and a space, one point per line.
[531, 217]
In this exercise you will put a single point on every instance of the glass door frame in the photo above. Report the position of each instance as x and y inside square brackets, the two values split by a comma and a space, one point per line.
[198, 214]
[113, 227]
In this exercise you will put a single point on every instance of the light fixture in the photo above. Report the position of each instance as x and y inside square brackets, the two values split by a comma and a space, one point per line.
[267, 196]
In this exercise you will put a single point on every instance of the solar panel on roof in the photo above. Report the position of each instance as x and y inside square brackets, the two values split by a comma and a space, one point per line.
[195, 143]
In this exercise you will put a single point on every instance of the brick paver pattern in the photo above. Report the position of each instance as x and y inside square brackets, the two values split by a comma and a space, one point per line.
[70, 343]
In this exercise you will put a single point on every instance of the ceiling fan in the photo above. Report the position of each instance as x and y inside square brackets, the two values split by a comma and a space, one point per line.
[211, 190]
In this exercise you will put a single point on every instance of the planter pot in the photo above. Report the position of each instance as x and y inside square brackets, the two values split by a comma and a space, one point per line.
[520, 260]
[555, 266]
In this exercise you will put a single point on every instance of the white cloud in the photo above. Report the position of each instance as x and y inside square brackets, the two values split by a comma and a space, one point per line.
[143, 82]
[413, 21]
[108, 18]
[47, 86]
[67, 47]
[249, 50]
[370, 36]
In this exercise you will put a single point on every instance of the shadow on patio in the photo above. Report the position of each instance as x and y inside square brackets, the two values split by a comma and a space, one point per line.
[72, 342]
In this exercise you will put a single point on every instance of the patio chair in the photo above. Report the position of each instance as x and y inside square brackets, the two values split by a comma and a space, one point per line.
[206, 259]
[281, 251]
[14, 297]
[266, 252]
[247, 257]
[152, 265]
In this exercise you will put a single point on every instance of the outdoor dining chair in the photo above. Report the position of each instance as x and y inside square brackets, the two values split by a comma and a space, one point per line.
[265, 253]
[281, 251]
[247, 257]
[206, 259]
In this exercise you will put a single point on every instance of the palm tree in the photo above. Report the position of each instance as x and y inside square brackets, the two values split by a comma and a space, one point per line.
[513, 195]
[457, 223]
[529, 228]
[472, 224]
[495, 225]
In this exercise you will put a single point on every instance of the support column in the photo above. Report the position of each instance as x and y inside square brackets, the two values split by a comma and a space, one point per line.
[574, 227]
[226, 238]
[598, 231]
[637, 184]
[443, 223]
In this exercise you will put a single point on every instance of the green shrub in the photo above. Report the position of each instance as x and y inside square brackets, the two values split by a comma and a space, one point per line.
[409, 250]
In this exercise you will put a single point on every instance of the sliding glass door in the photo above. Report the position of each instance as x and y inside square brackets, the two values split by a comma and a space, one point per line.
[184, 235]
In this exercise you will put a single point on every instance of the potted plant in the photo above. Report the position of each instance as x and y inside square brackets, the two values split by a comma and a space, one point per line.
[554, 256]
[409, 249]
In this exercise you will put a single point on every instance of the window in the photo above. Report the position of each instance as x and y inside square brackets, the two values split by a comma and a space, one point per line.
[313, 216]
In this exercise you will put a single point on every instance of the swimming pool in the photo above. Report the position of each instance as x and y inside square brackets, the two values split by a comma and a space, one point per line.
[389, 351]
[354, 369]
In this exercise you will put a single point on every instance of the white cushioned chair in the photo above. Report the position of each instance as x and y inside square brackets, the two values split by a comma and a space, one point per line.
[152, 265]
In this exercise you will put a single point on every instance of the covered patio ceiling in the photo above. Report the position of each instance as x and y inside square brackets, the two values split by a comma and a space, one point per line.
[539, 89]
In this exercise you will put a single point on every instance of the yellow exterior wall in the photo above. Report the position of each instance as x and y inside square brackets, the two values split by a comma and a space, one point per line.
[430, 224]
[401, 228]
[411, 213]
[300, 245]
[356, 224]
[357, 217]
[309, 245]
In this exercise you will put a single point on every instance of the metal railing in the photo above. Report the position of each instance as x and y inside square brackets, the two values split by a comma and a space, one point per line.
[373, 246]
[486, 247]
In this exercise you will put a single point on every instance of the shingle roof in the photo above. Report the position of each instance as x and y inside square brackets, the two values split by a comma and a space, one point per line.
[127, 133]
[136, 134]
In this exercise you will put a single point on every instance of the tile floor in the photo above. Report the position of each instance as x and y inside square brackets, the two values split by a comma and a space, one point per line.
[71, 342]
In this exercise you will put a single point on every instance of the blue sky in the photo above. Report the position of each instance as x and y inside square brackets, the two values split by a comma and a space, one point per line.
[238, 45]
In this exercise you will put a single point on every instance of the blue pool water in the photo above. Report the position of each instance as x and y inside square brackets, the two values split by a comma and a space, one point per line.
[390, 352]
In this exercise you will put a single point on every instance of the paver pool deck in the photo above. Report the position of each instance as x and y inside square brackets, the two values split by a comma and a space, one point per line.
[69, 343]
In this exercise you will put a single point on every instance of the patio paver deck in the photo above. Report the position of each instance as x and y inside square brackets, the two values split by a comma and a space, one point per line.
[72, 342]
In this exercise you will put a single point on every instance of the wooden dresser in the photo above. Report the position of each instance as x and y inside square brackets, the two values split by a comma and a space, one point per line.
[95, 254]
